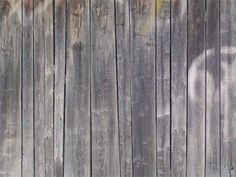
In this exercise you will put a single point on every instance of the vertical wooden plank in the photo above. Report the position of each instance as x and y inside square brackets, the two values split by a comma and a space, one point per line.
[77, 128]
[10, 88]
[212, 90]
[43, 84]
[163, 87]
[105, 139]
[27, 86]
[143, 87]
[124, 83]
[228, 86]
[196, 89]
[178, 87]
[59, 87]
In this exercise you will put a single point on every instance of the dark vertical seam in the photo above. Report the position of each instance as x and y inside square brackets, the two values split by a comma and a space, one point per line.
[34, 88]
[64, 104]
[219, 33]
[130, 85]
[53, 11]
[170, 82]
[90, 89]
[187, 99]
[117, 87]
[22, 83]
[205, 77]
[155, 87]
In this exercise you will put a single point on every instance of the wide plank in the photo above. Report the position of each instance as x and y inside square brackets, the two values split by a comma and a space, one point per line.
[10, 88]
[77, 118]
[178, 87]
[105, 138]
[143, 88]
[196, 89]
[228, 87]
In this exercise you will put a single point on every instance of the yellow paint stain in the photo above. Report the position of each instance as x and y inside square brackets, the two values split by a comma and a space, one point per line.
[151, 16]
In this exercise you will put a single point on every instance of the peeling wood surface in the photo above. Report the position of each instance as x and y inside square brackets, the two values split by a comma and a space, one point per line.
[118, 88]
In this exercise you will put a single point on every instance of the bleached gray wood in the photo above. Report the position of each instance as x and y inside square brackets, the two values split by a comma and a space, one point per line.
[124, 85]
[163, 128]
[43, 88]
[178, 87]
[212, 167]
[59, 87]
[10, 88]
[196, 89]
[77, 120]
[143, 88]
[27, 91]
[228, 86]
[105, 139]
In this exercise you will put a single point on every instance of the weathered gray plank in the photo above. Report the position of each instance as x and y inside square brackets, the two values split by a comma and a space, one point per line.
[105, 139]
[212, 90]
[228, 86]
[124, 83]
[59, 78]
[196, 89]
[178, 87]
[163, 87]
[143, 87]
[10, 88]
[43, 84]
[77, 123]
[27, 86]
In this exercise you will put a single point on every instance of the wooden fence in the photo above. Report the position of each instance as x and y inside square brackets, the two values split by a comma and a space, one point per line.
[117, 88]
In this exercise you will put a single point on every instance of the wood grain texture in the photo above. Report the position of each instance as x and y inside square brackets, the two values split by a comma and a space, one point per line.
[27, 91]
[59, 85]
[105, 139]
[163, 89]
[228, 86]
[43, 88]
[124, 85]
[178, 87]
[10, 89]
[196, 89]
[77, 123]
[143, 88]
[212, 90]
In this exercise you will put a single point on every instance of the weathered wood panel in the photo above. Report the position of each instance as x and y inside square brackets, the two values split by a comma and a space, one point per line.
[212, 164]
[27, 90]
[59, 84]
[10, 88]
[105, 139]
[143, 88]
[77, 123]
[196, 89]
[124, 85]
[163, 87]
[43, 88]
[178, 87]
[228, 86]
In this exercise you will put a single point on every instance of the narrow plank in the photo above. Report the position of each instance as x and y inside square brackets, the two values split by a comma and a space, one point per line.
[178, 87]
[124, 83]
[212, 90]
[27, 86]
[228, 86]
[163, 87]
[43, 84]
[105, 139]
[59, 87]
[196, 89]
[77, 123]
[10, 88]
[143, 87]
